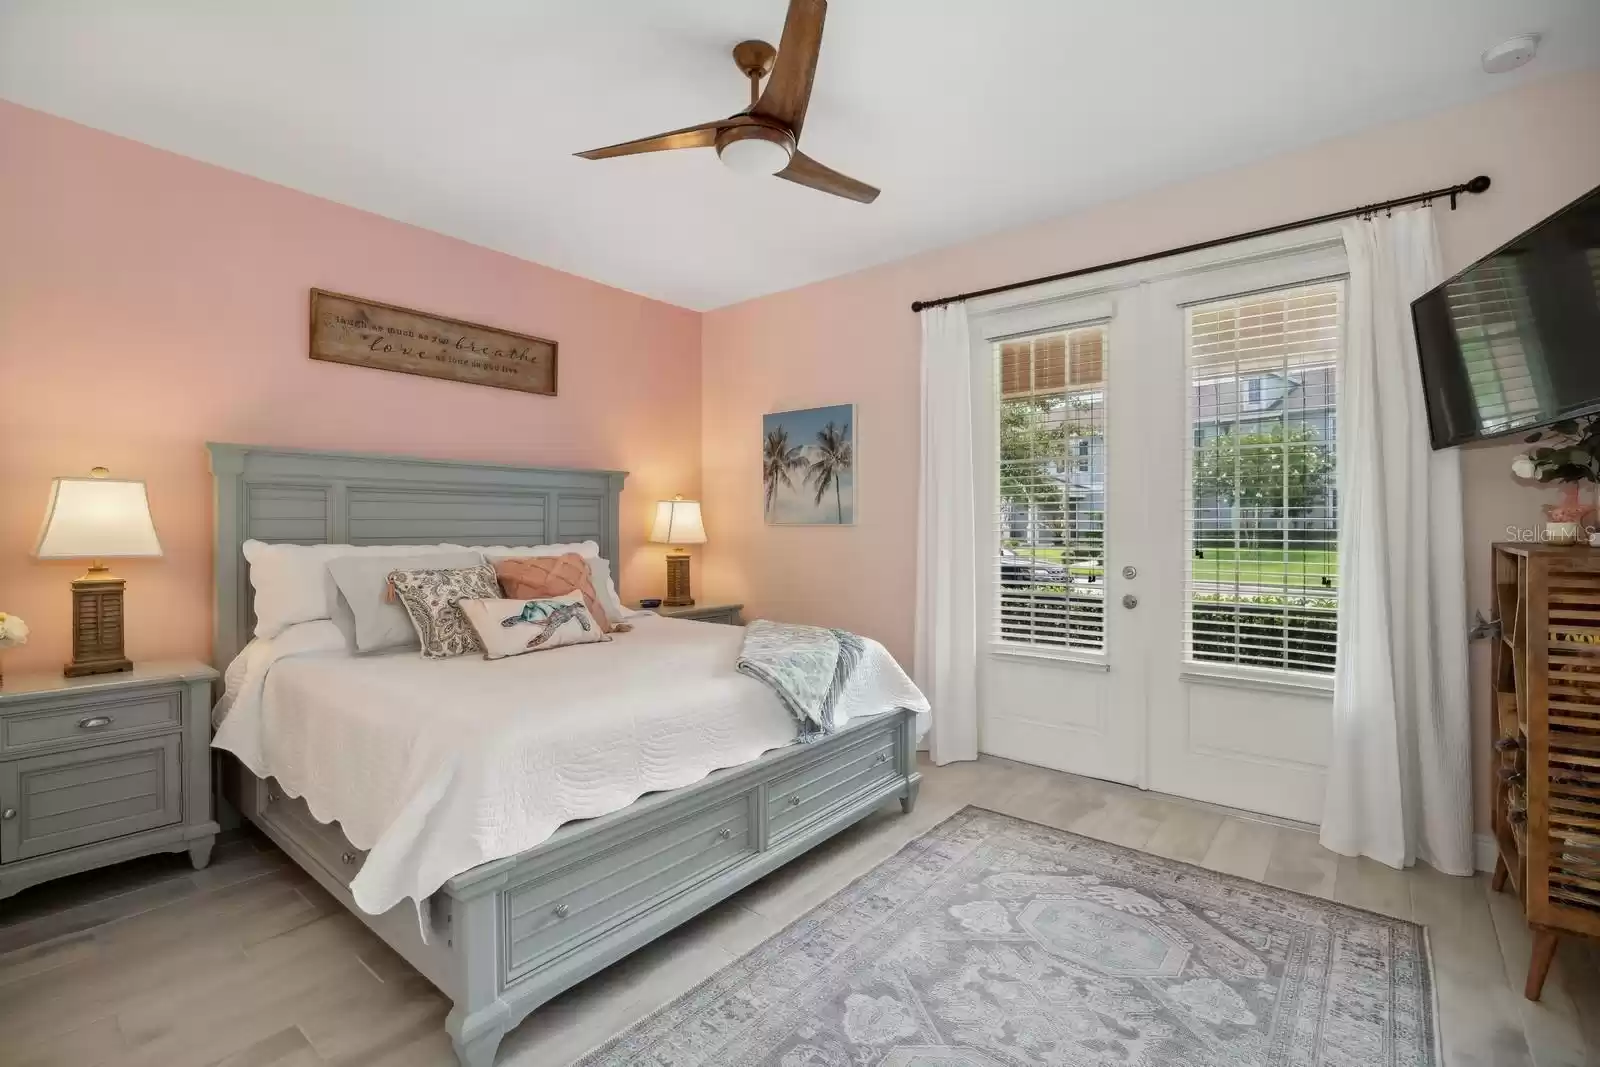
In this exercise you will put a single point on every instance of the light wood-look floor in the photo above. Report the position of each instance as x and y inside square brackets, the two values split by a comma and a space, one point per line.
[249, 964]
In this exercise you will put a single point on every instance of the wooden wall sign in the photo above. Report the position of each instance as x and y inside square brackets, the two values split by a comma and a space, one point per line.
[363, 333]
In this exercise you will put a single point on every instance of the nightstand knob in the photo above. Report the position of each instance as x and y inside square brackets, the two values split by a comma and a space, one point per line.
[562, 911]
[94, 722]
[883, 757]
[272, 796]
[794, 800]
[725, 833]
[1507, 744]
[8, 814]
[348, 857]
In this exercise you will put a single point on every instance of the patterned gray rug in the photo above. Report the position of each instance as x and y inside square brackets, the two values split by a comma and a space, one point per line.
[995, 942]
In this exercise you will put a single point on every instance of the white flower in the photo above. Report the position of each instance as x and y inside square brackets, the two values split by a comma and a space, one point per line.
[13, 631]
[1523, 467]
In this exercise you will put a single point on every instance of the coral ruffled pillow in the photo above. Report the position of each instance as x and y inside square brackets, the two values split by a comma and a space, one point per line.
[540, 577]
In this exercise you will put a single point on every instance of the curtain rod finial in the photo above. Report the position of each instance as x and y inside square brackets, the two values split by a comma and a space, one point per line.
[917, 305]
[1478, 184]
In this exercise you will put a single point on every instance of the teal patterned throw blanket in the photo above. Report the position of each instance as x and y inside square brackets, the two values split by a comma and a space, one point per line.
[807, 666]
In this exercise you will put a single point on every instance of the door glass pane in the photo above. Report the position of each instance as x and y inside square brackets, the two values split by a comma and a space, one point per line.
[1263, 508]
[1051, 505]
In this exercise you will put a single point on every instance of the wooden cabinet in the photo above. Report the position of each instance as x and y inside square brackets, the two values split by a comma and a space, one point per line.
[1546, 763]
[103, 768]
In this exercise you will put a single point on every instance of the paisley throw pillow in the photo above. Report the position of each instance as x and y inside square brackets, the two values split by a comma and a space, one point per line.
[512, 627]
[431, 599]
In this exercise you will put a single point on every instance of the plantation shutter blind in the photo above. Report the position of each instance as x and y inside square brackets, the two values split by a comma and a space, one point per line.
[1493, 322]
[1049, 517]
[1262, 509]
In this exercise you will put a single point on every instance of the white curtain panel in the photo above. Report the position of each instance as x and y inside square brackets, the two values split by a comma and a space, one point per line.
[1399, 777]
[945, 663]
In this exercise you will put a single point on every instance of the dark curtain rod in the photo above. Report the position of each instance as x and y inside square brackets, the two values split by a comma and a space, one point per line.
[1476, 185]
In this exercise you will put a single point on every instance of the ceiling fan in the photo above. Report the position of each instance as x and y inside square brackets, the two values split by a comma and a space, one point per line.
[762, 138]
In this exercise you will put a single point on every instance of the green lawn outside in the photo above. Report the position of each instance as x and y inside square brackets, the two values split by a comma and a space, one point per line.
[1297, 569]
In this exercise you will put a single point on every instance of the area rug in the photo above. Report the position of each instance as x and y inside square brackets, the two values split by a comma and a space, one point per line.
[995, 942]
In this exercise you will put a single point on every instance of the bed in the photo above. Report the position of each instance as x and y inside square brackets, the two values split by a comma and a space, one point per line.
[505, 935]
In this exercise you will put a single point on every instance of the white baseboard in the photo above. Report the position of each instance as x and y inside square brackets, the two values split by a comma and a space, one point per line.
[1487, 851]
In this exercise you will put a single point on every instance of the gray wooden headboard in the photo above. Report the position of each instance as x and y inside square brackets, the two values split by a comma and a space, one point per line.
[281, 494]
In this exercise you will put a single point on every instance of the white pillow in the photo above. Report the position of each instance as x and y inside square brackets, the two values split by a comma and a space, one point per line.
[379, 620]
[605, 589]
[292, 583]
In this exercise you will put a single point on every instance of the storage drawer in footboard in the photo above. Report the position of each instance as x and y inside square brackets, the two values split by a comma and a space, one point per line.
[819, 787]
[560, 911]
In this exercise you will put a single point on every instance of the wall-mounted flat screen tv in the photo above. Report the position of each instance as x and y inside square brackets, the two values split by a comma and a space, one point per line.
[1513, 341]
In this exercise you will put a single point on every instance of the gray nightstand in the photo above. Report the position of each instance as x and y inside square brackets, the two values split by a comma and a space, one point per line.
[103, 768]
[726, 614]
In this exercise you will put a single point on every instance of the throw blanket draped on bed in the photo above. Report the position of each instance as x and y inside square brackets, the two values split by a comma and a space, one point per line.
[807, 666]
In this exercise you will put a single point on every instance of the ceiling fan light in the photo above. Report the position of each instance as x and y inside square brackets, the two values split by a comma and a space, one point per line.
[753, 155]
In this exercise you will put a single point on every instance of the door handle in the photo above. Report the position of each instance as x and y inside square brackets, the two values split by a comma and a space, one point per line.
[1130, 571]
[1129, 600]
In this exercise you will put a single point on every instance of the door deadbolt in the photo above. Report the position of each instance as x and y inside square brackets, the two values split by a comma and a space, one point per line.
[1129, 600]
[1130, 572]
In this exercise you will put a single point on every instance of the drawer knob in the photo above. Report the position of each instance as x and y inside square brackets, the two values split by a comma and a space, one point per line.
[725, 833]
[562, 911]
[94, 722]
[1507, 744]
[348, 857]
[883, 757]
[8, 814]
[794, 800]
[272, 796]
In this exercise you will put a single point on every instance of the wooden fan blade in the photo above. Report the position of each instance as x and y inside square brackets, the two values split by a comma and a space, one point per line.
[803, 170]
[701, 136]
[788, 90]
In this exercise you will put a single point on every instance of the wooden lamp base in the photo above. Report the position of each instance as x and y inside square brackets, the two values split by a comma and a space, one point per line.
[97, 625]
[678, 581]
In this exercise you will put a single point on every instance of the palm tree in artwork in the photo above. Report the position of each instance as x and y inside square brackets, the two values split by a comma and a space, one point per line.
[779, 460]
[833, 456]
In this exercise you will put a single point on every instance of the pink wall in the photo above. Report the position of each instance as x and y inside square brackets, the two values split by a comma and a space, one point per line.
[854, 339]
[150, 303]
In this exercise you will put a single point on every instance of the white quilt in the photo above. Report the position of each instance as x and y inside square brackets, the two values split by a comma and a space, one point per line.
[436, 766]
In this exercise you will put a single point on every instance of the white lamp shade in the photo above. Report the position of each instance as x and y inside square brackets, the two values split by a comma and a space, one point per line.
[97, 518]
[678, 523]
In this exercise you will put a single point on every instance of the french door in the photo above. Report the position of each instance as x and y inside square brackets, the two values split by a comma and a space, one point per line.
[1156, 464]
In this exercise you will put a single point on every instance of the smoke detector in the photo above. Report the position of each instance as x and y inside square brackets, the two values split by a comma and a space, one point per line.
[1510, 54]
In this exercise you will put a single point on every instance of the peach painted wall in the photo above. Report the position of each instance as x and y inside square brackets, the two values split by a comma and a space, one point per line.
[150, 303]
[854, 339]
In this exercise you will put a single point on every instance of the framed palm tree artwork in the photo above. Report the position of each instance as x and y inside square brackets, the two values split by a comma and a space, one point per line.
[808, 466]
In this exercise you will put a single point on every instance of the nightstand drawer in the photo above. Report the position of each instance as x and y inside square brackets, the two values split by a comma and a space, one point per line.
[91, 721]
[67, 799]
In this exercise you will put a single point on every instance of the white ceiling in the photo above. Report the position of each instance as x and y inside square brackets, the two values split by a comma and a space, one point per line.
[971, 115]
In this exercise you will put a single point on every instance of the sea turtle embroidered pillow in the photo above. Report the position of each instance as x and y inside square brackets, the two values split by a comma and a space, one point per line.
[431, 599]
[512, 627]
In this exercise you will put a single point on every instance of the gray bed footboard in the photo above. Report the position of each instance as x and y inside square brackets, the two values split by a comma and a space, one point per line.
[509, 935]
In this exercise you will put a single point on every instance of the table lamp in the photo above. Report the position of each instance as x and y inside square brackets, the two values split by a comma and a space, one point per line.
[96, 518]
[678, 523]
